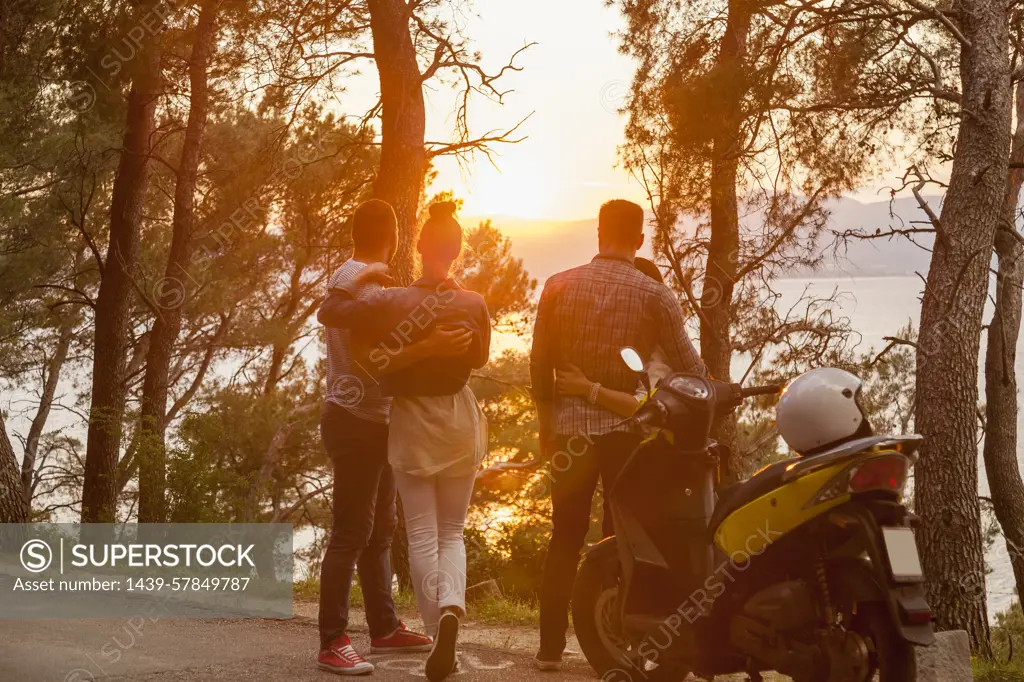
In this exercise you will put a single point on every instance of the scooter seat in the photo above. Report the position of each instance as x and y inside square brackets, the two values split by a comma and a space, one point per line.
[735, 496]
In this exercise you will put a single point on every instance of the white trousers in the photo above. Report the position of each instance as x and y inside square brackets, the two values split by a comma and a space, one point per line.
[435, 518]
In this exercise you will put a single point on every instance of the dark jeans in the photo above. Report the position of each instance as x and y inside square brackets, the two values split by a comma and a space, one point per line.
[575, 467]
[364, 521]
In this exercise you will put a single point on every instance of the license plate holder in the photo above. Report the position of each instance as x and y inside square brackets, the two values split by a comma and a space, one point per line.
[901, 550]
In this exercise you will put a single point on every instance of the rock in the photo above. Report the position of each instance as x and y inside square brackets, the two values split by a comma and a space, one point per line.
[485, 591]
[948, 660]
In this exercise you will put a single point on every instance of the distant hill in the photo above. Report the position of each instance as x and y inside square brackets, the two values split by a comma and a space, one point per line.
[548, 246]
[878, 257]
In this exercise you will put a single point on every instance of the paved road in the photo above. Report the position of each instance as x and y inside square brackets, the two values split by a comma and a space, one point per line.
[220, 651]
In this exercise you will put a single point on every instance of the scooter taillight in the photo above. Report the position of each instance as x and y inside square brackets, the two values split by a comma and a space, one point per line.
[921, 617]
[885, 472]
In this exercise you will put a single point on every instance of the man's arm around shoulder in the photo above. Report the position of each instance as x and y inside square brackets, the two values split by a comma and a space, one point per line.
[344, 308]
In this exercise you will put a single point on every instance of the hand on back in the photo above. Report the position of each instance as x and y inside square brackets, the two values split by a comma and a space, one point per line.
[375, 273]
[570, 380]
[445, 341]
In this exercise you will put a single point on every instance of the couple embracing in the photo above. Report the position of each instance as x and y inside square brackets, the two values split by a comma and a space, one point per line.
[399, 415]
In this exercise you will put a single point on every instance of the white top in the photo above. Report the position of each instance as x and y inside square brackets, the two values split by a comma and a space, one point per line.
[443, 435]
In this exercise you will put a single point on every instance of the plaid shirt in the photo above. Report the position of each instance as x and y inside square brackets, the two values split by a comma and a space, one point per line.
[585, 316]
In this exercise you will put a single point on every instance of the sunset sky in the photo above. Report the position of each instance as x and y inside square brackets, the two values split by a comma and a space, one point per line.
[573, 79]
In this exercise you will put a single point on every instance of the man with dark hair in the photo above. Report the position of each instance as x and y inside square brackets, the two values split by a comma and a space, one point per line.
[620, 222]
[374, 229]
[354, 428]
[585, 316]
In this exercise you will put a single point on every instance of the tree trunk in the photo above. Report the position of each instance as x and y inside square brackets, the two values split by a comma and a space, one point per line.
[5, 13]
[51, 377]
[259, 488]
[13, 508]
[277, 354]
[170, 294]
[403, 159]
[403, 162]
[720, 279]
[946, 485]
[1000, 451]
[286, 324]
[106, 414]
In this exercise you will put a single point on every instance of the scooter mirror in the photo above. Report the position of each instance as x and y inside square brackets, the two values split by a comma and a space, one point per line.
[632, 359]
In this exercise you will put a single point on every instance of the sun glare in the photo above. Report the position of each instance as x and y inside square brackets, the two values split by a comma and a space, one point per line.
[514, 191]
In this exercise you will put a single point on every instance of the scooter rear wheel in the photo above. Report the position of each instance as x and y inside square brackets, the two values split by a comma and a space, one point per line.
[893, 658]
[613, 653]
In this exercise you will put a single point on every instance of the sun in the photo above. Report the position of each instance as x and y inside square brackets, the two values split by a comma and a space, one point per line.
[516, 190]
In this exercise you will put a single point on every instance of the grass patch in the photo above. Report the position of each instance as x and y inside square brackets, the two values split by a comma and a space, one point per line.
[990, 671]
[306, 590]
[500, 611]
[504, 611]
[309, 590]
[405, 601]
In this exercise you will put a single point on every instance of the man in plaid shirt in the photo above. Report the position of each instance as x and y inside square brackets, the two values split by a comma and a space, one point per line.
[585, 317]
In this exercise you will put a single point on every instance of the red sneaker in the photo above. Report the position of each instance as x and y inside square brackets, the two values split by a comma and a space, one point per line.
[340, 658]
[402, 640]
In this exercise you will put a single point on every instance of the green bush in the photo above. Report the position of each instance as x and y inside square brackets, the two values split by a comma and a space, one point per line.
[1008, 635]
[515, 559]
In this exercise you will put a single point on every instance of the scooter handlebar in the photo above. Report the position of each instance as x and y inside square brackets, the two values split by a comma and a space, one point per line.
[651, 414]
[760, 390]
[650, 418]
[655, 413]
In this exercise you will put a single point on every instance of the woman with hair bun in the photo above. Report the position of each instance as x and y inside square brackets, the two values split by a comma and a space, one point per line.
[438, 433]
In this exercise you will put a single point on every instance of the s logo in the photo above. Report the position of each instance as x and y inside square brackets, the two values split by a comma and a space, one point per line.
[36, 556]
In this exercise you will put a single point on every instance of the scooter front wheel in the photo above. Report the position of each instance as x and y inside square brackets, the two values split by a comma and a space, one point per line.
[616, 655]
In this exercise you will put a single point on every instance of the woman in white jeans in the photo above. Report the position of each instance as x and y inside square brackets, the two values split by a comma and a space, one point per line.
[436, 459]
[438, 434]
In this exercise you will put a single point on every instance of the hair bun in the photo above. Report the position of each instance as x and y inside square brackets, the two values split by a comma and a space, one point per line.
[442, 210]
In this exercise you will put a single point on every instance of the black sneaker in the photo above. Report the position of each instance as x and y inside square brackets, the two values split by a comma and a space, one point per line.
[441, 661]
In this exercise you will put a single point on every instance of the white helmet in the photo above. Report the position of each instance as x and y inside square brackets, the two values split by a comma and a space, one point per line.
[820, 409]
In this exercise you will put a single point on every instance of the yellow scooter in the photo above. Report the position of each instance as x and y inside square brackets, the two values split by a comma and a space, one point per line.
[809, 568]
